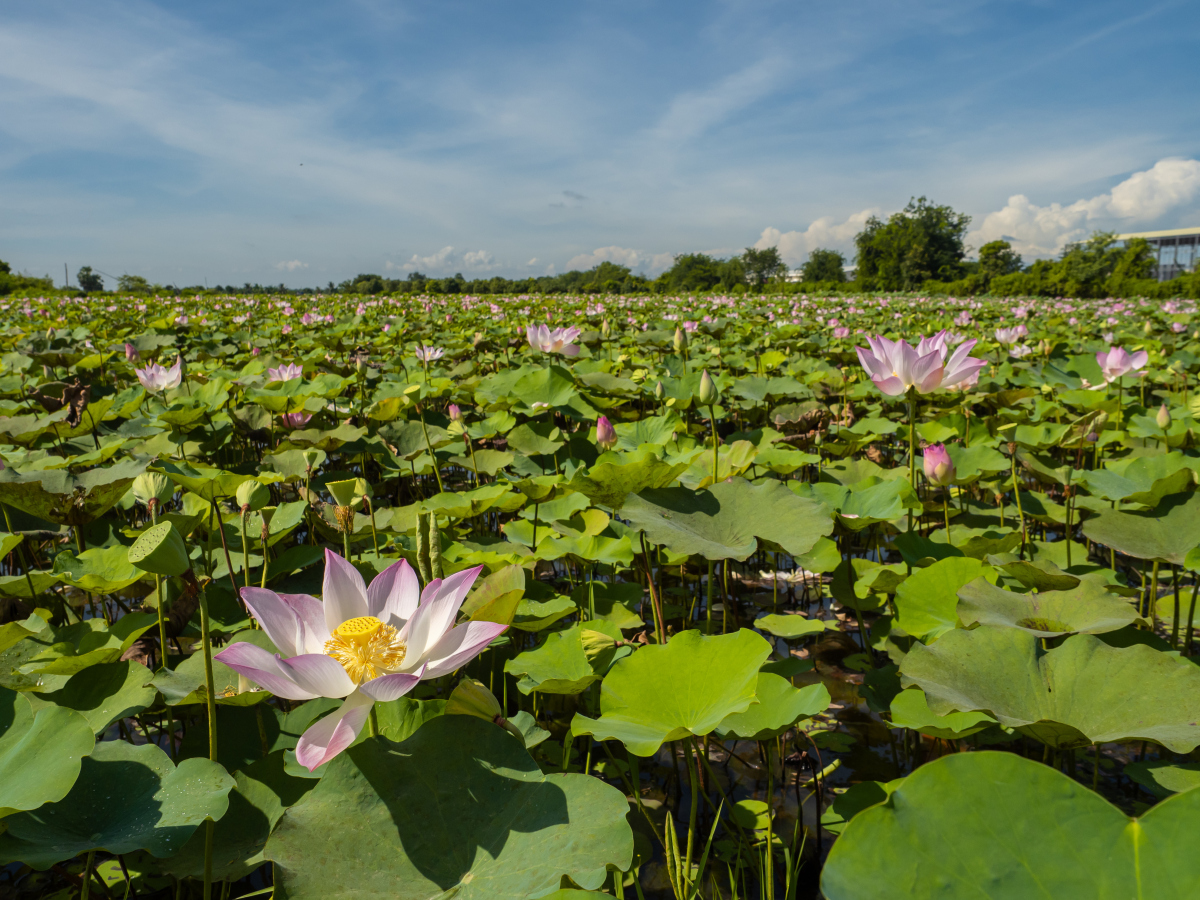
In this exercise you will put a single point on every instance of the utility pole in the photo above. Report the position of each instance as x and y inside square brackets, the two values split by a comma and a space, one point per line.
[66, 278]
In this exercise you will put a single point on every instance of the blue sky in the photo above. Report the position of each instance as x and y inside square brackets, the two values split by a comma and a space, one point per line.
[307, 142]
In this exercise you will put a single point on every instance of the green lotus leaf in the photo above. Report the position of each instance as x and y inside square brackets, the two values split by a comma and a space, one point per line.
[534, 615]
[1144, 480]
[496, 597]
[858, 797]
[615, 477]
[99, 570]
[910, 709]
[467, 504]
[106, 692]
[871, 503]
[789, 626]
[1087, 609]
[1073, 695]
[552, 386]
[665, 692]
[90, 642]
[1038, 574]
[127, 797]
[559, 665]
[650, 430]
[18, 585]
[779, 706]
[1165, 533]
[459, 809]
[726, 520]
[58, 496]
[40, 752]
[937, 836]
[927, 601]
[203, 481]
[1162, 778]
[972, 463]
[614, 602]
[186, 682]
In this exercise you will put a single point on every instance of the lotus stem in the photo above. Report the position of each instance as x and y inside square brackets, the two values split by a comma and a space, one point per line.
[1017, 497]
[712, 421]
[1191, 615]
[693, 765]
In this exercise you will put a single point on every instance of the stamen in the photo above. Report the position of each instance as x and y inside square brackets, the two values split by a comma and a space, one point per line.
[366, 648]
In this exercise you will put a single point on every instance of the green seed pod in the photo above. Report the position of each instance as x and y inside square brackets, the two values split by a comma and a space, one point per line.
[423, 547]
[435, 548]
[343, 492]
[253, 495]
[153, 486]
[161, 551]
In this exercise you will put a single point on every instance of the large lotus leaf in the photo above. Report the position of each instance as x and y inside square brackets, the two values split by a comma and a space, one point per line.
[39, 752]
[650, 430]
[1166, 533]
[687, 686]
[1144, 480]
[206, 483]
[496, 597]
[128, 797]
[100, 570]
[789, 626]
[466, 504]
[999, 826]
[459, 809]
[972, 463]
[551, 386]
[559, 665]
[882, 501]
[260, 795]
[1039, 574]
[1162, 778]
[858, 797]
[1075, 694]
[18, 585]
[724, 521]
[910, 709]
[106, 692]
[615, 602]
[58, 496]
[614, 477]
[779, 706]
[927, 601]
[88, 643]
[534, 615]
[1088, 608]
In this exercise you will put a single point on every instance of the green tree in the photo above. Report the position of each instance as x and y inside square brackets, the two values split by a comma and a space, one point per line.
[89, 281]
[922, 242]
[824, 265]
[133, 284]
[762, 266]
[692, 272]
[998, 258]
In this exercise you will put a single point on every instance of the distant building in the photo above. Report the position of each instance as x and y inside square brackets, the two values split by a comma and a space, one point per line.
[1175, 251]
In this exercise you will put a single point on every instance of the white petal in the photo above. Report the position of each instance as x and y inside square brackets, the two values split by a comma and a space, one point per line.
[331, 735]
[277, 619]
[343, 592]
[394, 594]
[322, 675]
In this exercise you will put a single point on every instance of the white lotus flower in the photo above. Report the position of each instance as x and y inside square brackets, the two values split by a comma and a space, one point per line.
[557, 341]
[156, 379]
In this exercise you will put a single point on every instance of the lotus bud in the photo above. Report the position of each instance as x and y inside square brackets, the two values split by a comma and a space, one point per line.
[153, 486]
[472, 698]
[606, 436]
[659, 391]
[131, 353]
[708, 390]
[160, 550]
[605, 329]
[310, 459]
[595, 643]
[681, 341]
[1164, 417]
[455, 413]
[252, 495]
[939, 467]
[1148, 328]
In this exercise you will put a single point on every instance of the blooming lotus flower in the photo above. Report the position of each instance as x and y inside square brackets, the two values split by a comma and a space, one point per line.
[155, 378]
[1011, 335]
[938, 466]
[557, 341]
[427, 354]
[1118, 361]
[896, 366]
[359, 644]
[286, 372]
[1178, 327]
[1020, 351]
[295, 419]
[841, 332]
[606, 435]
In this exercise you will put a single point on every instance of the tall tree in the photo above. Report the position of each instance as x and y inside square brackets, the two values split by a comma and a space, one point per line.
[824, 265]
[763, 265]
[89, 281]
[923, 241]
[998, 258]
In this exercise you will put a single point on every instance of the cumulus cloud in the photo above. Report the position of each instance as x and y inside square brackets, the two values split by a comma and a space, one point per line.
[794, 246]
[446, 260]
[291, 265]
[651, 263]
[1170, 186]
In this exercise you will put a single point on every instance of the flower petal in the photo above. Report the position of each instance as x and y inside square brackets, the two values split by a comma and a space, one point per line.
[461, 645]
[390, 687]
[277, 619]
[343, 592]
[394, 594]
[264, 669]
[329, 736]
[311, 614]
[322, 675]
[436, 615]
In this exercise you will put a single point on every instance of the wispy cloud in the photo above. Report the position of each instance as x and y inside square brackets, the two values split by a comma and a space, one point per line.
[291, 265]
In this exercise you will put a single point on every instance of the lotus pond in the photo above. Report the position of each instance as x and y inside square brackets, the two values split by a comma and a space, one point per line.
[646, 597]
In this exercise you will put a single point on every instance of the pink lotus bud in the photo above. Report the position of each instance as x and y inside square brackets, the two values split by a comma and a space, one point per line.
[131, 353]
[606, 436]
[455, 413]
[939, 467]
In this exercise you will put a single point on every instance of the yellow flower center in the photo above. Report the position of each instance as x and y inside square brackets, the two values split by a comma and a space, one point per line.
[366, 648]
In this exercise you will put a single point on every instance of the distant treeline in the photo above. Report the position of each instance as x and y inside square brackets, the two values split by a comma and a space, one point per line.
[919, 249]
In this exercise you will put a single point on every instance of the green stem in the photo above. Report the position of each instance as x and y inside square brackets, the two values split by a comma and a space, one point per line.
[373, 722]
[432, 457]
[693, 764]
[912, 448]
[712, 421]
[1020, 511]
[87, 876]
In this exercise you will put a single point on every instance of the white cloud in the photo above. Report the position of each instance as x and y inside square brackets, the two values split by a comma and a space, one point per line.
[1170, 186]
[794, 246]
[532, 262]
[291, 265]
[433, 261]
[638, 260]
[479, 259]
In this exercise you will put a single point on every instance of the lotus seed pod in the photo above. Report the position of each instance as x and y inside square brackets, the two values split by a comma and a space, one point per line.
[160, 550]
[344, 493]
[253, 495]
[708, 390]
[1164, 417]
[153, 486]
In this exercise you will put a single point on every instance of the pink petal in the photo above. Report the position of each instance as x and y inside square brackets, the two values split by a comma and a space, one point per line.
[461, 645]
[390, 687]
[264, 669]
[277, 619]
[343, 592]
[892, 386]
[331, 735]
[1139, 359]
[311, 614]
[322, 675]
[394, 594]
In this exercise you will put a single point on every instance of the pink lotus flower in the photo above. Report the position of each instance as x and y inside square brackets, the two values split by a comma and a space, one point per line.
[897, 366]
[155, 378]
[131, 353]
[841, 332]
[938, 466]
[1118, 361]
[427, 354]
[454, 412]
[606, 435]
[295, 419]
[1178, 327]
[286, 372]
[557, 341]
[358, 643]
[1011, 335]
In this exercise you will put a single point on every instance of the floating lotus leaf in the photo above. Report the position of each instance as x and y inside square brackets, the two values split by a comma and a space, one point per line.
[687, 686]
[1163, 778]
[937, 836]
[1165, 533]
[726, 520]
[1087, 609]
[779, 706]
[128, 797]
[106, 692]
[615, 477]
[460, 809]
[789, 626]
[1144, 480]
[203, 481]
[559, 665]
[40, 752]
[927, 601]
[1073, 695]
[910, 709]
[58, 496]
